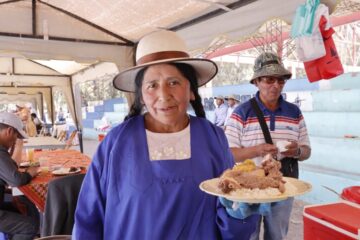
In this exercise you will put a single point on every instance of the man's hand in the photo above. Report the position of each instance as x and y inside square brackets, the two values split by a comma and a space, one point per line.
[33, 171]
[292, 150]
[12, 149]
[265, 148]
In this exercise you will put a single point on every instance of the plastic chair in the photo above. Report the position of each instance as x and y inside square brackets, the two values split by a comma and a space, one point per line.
[62, 135]
[70, 140]
[60, 205]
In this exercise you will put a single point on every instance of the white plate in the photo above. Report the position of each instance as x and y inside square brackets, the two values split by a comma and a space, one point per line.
[293, 187]
[27, 164]
[65, 171]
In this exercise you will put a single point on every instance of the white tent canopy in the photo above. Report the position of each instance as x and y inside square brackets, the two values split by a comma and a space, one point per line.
[90, 32]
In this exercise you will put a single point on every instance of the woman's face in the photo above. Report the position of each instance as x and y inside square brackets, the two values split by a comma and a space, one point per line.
[166, 94]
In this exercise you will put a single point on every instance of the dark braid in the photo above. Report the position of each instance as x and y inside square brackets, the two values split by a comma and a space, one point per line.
[188, 72]
[137, 106]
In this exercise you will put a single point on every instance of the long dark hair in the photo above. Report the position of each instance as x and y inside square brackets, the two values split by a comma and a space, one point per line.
[188, 72]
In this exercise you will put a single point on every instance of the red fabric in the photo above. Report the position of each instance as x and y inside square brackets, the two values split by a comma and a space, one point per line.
[329, 66]
[36, 190]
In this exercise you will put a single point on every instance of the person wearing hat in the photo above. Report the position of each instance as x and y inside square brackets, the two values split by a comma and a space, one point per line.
[143, 182]
[220, 111]
[13, 223]
[285, 122]
[232, 102]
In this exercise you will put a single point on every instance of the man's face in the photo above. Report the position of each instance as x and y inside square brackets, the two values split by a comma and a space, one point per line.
[270, 88]
[8, 136]
[219, 101]
[231, 102]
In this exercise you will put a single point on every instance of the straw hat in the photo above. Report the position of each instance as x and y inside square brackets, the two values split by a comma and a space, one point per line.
[163, 47]
[232, 96]
[269, 64]
[219, 97]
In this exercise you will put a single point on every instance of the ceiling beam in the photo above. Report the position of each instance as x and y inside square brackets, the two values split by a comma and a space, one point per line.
[10, 1]
[126, 41]
[31, 36]
[33, 13]
[212, 14]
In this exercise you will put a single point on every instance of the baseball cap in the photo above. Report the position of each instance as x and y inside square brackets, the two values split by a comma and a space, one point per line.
[14, 121]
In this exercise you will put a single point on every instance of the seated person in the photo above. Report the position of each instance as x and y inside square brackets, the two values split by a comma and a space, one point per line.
[24, 115]
[11, 221]
[37, 122]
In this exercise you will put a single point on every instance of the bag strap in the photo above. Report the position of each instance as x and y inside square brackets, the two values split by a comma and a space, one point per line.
[261, 119]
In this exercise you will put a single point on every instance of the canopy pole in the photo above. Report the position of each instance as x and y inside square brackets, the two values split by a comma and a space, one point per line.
[76, 117]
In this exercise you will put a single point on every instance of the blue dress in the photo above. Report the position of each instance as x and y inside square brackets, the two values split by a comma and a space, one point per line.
[126, 196]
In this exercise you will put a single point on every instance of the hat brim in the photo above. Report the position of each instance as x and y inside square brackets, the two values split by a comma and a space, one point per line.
[22, 134]
[275, 70]
[227, 99]
[205, 69]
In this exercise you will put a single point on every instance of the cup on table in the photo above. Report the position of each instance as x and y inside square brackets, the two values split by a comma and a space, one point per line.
[281, 145]
[44, 164]
[30, 154]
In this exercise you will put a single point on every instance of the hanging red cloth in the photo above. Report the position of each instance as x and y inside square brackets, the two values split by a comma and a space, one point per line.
[328, 66]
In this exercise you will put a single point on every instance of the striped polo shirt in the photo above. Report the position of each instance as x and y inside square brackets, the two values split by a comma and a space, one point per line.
[285, 123]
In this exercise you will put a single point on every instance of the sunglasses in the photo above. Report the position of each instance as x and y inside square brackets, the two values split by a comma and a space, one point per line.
[272, 80]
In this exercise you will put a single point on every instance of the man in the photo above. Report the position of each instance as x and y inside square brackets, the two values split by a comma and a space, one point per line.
[37, 122]
[11, 222]
[285, 122]
[220, 111]
[232, 102]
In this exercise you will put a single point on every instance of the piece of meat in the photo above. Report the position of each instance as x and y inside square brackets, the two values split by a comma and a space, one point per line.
[267, 176]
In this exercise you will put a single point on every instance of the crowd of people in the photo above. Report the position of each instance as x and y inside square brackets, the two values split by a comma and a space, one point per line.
[143, 181]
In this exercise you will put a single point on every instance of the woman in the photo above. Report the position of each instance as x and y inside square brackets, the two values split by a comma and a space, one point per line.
[143, 182]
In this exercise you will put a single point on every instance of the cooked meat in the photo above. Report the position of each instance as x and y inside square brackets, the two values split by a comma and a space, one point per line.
[268, 175]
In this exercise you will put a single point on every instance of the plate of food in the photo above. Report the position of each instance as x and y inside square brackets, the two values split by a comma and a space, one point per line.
[66, 171]
[29, 164]
[247, 183]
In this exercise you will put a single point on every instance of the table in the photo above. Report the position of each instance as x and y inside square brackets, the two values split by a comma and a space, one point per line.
[36, 190]
[43, 143]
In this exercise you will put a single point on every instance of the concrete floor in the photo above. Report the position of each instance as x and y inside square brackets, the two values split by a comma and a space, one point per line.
[296, 220]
